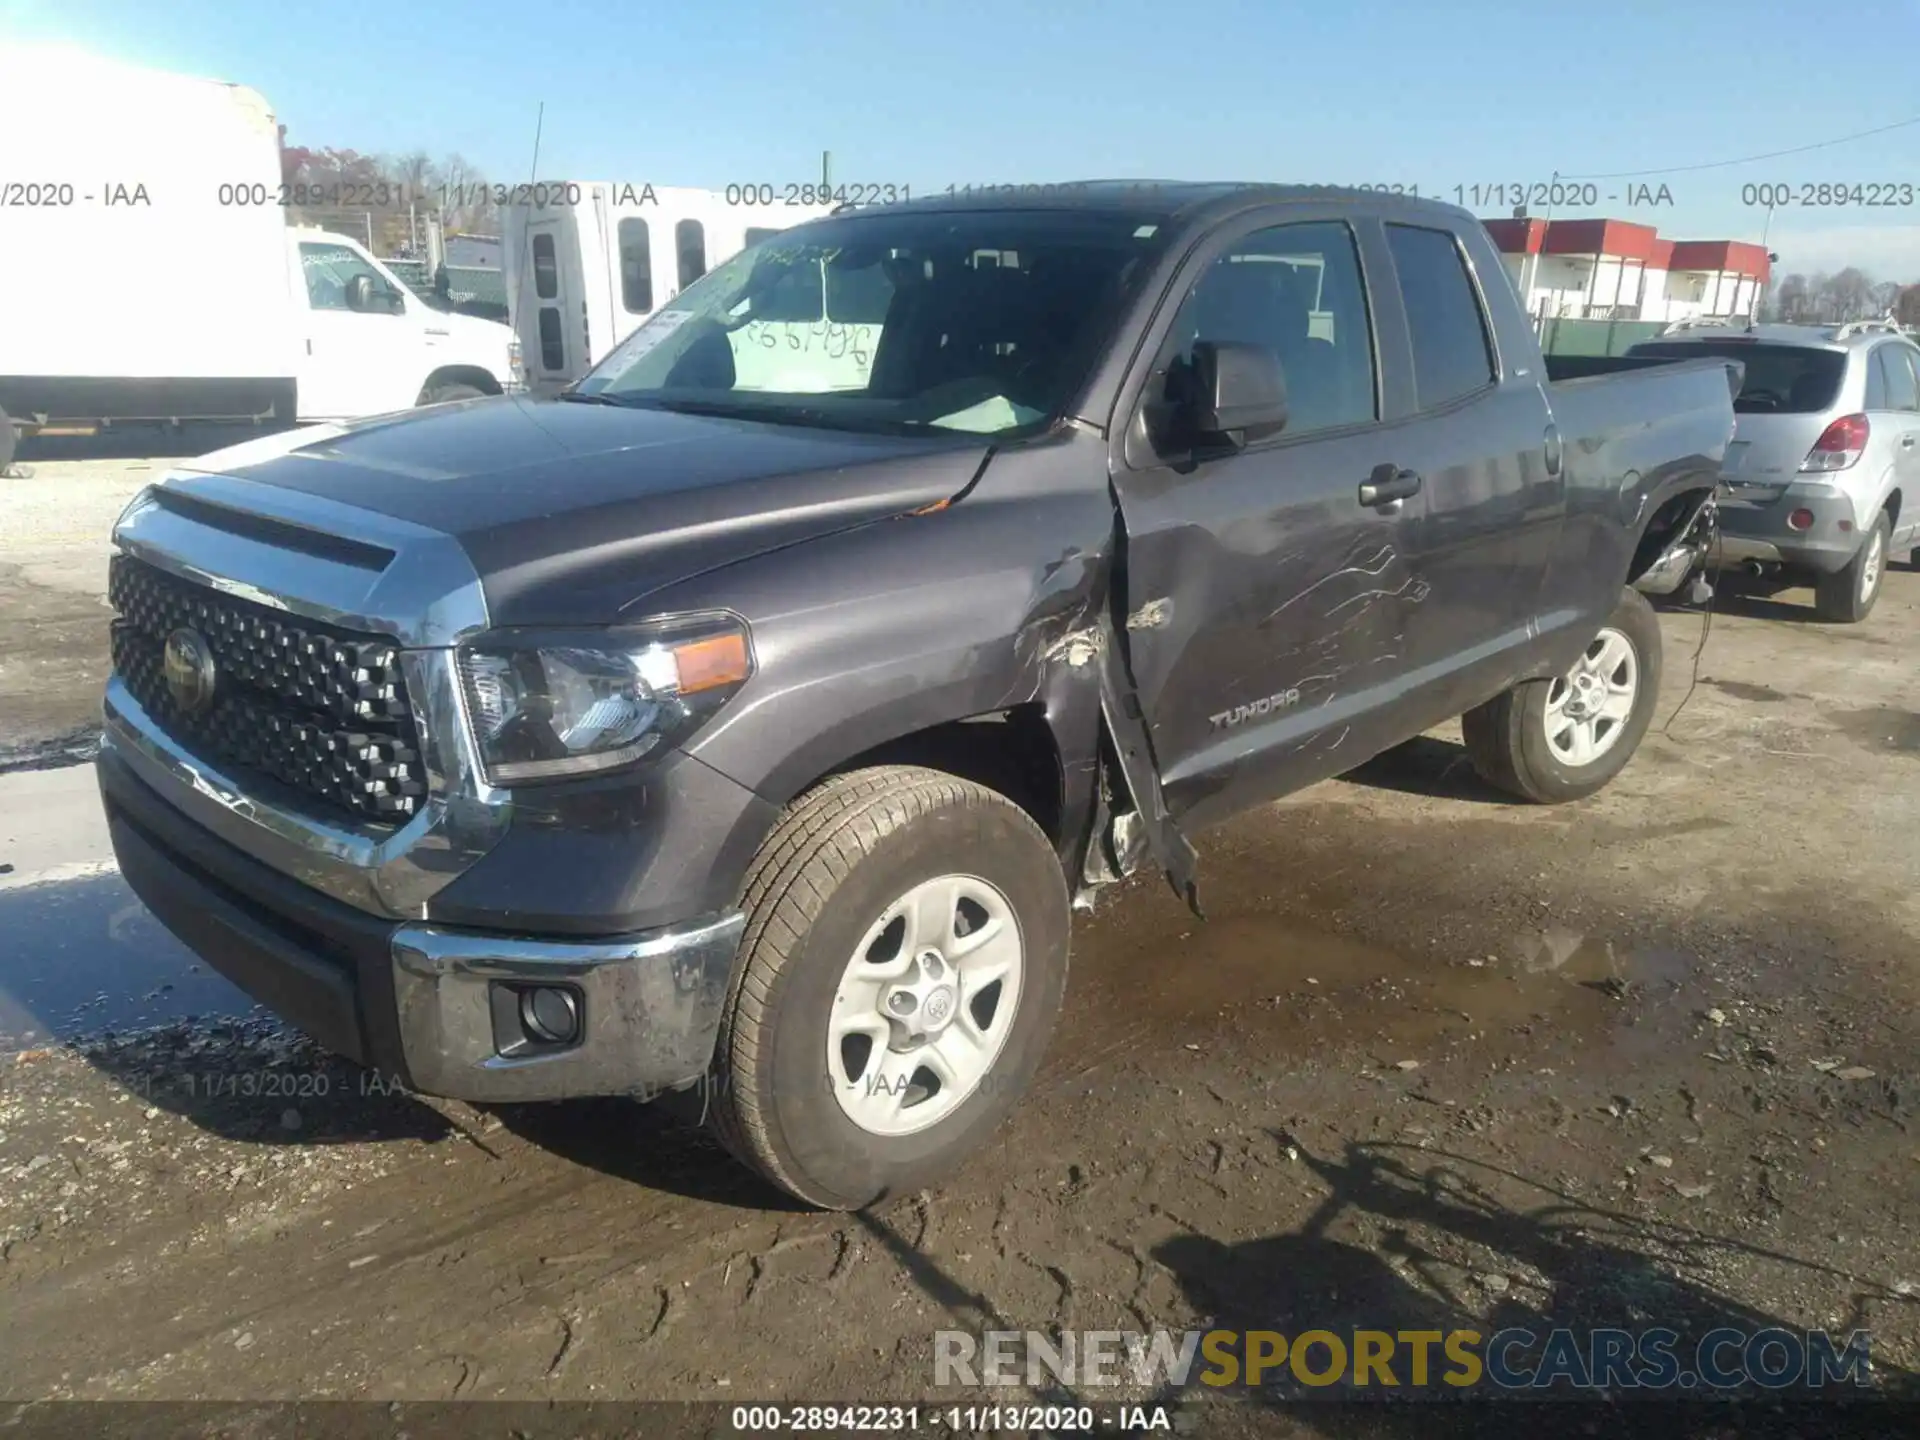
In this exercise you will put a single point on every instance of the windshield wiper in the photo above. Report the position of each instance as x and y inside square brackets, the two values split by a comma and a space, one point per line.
[806, 415]
[586, 397]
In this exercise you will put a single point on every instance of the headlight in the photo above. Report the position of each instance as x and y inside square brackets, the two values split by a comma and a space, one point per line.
[546, 706]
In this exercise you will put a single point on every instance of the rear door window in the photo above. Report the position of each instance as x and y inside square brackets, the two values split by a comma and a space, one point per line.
[1452, 351]
[1781, 379]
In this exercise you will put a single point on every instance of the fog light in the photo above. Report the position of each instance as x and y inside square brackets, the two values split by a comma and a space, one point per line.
[1801, 519]
[550, 1015]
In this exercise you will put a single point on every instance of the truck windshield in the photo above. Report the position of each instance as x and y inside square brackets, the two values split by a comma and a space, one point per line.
[982, 322]
[1781, 379]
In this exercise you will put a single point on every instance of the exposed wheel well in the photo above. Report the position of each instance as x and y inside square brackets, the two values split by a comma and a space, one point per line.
[1663, 528]
[1011, 751]
[1893, 509]
[461, 375]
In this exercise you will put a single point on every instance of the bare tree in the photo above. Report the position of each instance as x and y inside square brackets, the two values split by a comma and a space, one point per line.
[416, 175]
[466, 205]
[1852, 294]
[1907, 310]
[1791, 299]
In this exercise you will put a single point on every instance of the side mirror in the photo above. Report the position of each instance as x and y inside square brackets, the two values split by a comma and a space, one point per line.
[364, 296]
[1240, 392]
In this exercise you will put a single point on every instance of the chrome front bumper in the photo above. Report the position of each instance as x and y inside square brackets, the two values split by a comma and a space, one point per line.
[417, 1001]
[650, 1008]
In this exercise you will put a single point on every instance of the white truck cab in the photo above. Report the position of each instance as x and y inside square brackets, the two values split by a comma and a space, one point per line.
[152, 275]
[371, 345]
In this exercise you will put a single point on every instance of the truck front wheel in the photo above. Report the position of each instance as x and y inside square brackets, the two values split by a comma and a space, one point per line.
[1562, 739]
[902, 965]
[449, 391]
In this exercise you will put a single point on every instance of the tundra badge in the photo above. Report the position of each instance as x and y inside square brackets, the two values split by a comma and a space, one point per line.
[1227, 719]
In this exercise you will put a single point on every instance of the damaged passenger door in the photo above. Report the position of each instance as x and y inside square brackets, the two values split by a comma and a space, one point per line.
[1264, 576]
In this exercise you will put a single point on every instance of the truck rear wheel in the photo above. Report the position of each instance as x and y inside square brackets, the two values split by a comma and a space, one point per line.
[1846, 597]
[903, 962]
[1550, 741]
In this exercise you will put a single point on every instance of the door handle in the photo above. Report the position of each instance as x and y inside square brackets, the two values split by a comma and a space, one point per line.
[1906, 442]
[1387, 484]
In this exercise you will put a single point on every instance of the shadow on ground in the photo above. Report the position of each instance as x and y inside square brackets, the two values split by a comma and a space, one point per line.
[662, 1146]
[1430, 766]
[1581, 1268]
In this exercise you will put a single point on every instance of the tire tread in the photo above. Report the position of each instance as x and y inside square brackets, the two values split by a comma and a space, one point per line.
[815, 846]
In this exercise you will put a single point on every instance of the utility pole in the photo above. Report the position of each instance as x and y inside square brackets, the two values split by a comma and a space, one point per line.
[826, 171]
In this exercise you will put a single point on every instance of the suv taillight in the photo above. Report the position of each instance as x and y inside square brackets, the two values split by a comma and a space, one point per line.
[1840, 445]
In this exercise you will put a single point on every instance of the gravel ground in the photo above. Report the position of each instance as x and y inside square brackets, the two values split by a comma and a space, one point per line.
[1435, 1060]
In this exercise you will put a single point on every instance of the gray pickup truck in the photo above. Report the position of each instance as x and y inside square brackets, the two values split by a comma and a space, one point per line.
[693, 730]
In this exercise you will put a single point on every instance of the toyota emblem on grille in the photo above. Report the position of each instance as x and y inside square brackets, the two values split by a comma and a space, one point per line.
[189, 670]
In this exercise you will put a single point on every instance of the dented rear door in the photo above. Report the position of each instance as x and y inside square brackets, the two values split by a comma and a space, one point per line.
[1263, 601]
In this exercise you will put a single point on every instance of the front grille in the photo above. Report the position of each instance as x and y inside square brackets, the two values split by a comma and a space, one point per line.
[317, 709]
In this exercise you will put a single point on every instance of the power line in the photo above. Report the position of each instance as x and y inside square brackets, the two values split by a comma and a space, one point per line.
[1747, 159]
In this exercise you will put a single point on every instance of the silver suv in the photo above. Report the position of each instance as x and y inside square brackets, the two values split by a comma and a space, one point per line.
[1823, 475]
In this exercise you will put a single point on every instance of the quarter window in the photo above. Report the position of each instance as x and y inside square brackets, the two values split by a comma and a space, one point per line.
[1452, 352]
[690, 239]
[553, 349]
[546, 270]
[636, 267]
[1895, 365]
[1877, 369]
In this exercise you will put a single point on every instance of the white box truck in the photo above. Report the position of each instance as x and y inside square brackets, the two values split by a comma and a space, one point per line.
[588, 262]
[148, 271]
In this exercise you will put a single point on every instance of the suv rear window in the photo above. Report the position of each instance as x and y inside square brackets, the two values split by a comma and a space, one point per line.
[1781, 379]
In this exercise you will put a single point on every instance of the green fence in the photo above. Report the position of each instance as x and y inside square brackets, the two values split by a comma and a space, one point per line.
[1595, 337]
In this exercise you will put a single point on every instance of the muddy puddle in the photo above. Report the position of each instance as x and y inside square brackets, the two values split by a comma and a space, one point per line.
[1139, 982]
[53, 667]
[1880, 727]
[83, 956]
[1742, 690]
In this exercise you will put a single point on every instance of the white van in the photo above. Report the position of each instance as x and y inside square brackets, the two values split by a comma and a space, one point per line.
[151, 274]
[588, 262]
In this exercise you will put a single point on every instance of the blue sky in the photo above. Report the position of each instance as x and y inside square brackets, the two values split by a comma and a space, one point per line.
[712, 92]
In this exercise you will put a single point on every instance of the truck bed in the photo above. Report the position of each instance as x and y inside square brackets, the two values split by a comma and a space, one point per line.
[1562, 369]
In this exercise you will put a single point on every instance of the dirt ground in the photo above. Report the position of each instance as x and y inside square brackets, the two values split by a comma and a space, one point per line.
[1434, 1060]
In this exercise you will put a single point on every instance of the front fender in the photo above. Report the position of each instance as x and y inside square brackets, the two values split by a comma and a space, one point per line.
[873, 634]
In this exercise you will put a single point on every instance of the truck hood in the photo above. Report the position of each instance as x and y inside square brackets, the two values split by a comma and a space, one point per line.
[571, 513]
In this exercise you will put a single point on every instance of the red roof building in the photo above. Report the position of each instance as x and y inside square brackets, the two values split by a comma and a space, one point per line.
[1618, 270]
